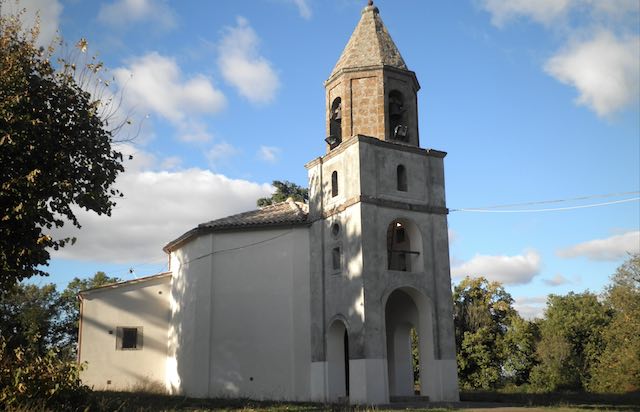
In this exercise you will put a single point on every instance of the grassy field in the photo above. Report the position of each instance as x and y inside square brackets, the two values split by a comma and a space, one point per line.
[471, 401]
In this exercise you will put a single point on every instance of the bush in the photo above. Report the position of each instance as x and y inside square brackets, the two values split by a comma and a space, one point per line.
[28, 379]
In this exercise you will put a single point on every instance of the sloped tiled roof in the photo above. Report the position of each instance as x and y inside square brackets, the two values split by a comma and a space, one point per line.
[288, 212]
[370, 45]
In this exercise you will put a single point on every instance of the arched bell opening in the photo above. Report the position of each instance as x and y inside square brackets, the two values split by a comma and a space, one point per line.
[338, 361]
[398, 117]
[335, 124]
[404, 246]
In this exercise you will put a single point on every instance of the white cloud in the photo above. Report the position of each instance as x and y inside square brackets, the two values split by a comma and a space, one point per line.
[243, 67]
[269, 153]
[612, 248]
[303, 8]
[158, 206]
[508, 270]
[48, 12]
[557, 280]
[220, 153]
[600, 59]
[605, 70]
[548, 12]
[123, 12]
[541, 11]
[530, 307]
[155, 83]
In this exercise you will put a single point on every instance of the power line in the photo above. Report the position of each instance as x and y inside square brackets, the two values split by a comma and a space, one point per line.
[548, 210]
[492, 209]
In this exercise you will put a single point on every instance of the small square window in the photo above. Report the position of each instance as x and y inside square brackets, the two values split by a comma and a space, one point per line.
[129, 338]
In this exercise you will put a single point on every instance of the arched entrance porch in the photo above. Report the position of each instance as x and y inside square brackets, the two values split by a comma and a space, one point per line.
[406, 309]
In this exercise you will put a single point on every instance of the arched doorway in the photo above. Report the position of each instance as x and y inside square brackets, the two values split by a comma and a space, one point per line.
[408, 313]
[338, 361]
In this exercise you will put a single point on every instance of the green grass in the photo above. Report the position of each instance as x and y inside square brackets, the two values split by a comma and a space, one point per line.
[474, 401]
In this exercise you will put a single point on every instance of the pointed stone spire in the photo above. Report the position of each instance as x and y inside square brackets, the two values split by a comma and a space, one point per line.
[370, 45]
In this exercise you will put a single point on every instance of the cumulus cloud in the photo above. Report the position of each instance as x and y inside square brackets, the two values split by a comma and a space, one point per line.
[605, 70]
[48, 12]
[612, 248]
[123, 12]
[530, 307]
[242, 65]
[508, 270]
[155, 83]
[269, 153]
[557, 280]
[599, 58]
[158, 206]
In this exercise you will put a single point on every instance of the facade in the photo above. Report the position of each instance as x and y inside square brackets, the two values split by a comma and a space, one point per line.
[305, 302]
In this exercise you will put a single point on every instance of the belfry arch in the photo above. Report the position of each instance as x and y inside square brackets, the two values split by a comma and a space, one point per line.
[404, 246]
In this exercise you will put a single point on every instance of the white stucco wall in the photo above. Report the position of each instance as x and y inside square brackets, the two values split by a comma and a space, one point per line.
[240, 323]
[137, 304]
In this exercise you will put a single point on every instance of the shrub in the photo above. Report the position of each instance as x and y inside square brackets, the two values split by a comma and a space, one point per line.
[28, 379]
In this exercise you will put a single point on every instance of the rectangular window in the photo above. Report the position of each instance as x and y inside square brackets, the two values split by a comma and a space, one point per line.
[129, 338]
[335, 257]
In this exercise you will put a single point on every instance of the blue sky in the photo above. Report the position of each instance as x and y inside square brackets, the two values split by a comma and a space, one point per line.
[532, 100]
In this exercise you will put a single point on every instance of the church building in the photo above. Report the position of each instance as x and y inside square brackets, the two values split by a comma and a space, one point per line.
[305, 302]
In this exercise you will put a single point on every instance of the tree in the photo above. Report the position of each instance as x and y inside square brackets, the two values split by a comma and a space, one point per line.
[71, 304]
[519, 346]
[618, 368]
[30, 318]
[571, 341]
[284, 190]
[482, 314]
[55, 153]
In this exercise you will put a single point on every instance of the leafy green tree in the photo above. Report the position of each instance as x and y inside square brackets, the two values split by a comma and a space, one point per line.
[71, 304]
[55, 153]
[482, 313]
[30, 317]
[618, 368]
[519, 346]
[571, 341]
[285, 190]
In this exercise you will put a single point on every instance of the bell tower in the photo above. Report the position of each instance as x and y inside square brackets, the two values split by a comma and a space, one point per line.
[370, 90]
[379, 251]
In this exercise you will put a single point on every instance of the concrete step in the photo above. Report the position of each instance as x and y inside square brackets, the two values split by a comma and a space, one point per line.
[408, 399]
